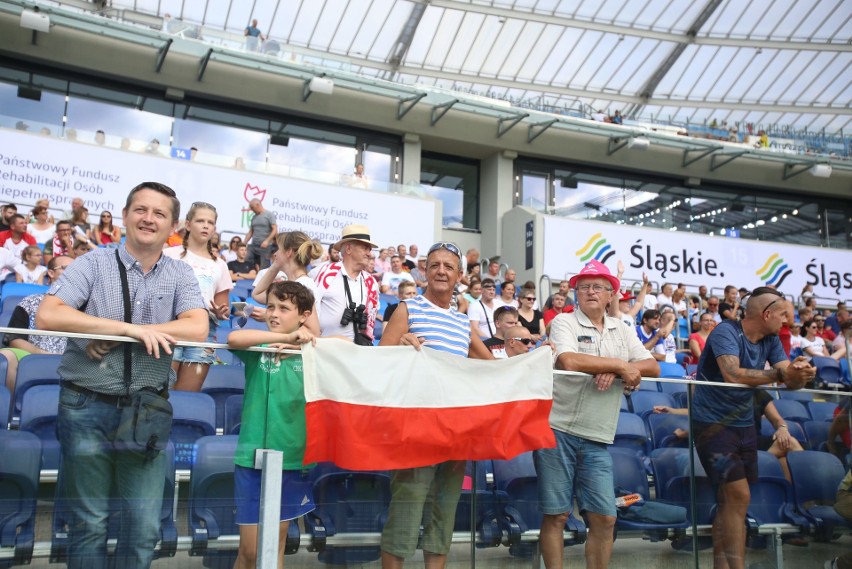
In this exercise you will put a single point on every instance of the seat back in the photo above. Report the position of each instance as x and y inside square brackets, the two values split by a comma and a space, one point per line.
[223, 381]
[211, 497]
[817, 433]
[19, 473]
[630, 434]
[771, 492]
[21, 289]
[35, 369]
[794, 428]
[643, 402]
[672, 388]
[827, 369]
[671, 468]
[662, 427]
[822, 410]
[194, 417]
[675, 370]
[792, 410]
[5, 404]
[11, 302]
[628, 472]
[233, 414]
[38, 416]
[815, 477]
[795, 395]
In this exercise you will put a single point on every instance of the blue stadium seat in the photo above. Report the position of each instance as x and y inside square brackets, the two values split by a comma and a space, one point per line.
[794, 428]
[35, 369]
[194, 417]
[822, 410]
[672, 388]
[5, 404]
[242, 289]
[11, 302]
[771, 499]
[211, 499]
[19, 472]
[485, 514]
[680, 399]
[38, 416]
[516, 482]
[662, 427]
[827, 370]
[817, 433]
[223, 381]
[795, 395]
[21, 289]
[671, 370]
[647, 385]
[671, 468]
[347, 502]
[631, 434]
[792, 410]
[844, 372]
[643, 402]
[168, 532]
[233, 414]
[815, 477]
[629, 475]
[624, 406]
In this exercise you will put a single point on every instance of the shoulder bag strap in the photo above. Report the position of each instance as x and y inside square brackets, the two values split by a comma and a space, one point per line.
[128, 346]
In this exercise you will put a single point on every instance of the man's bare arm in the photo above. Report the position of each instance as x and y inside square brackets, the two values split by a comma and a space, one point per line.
[732, 372]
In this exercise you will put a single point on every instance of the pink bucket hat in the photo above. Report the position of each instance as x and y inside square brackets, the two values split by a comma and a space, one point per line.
[595, 269]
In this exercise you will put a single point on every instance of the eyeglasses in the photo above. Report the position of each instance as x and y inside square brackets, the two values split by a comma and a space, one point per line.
[451, 247]
[524, 341]
[205, 205]
[712, 304]
[105, 215]
[593, 288]
[530, 298]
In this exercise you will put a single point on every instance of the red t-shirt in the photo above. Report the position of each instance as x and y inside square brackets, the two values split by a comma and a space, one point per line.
[784, 335]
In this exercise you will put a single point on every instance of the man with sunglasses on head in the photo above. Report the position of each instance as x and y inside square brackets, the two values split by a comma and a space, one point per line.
[737, 351]
[585, 414]
[428, 494]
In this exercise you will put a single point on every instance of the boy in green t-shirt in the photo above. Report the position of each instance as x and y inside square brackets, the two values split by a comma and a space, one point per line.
[273, 415]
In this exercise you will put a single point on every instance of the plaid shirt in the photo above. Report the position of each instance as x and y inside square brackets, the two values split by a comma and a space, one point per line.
[166, 291]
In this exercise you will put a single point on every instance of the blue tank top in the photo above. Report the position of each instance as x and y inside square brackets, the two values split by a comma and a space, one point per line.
[442, 329]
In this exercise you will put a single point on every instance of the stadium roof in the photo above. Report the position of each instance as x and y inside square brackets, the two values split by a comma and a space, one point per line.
[782, 62]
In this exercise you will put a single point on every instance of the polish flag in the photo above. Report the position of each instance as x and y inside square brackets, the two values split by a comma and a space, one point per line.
[387, 408]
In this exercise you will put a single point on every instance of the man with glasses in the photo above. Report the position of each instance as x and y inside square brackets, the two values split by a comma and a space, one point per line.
[713, 309]
[505, 317]
[518, 341]
[62, 243]
[429, 494]
[585, 414]
[725, 434]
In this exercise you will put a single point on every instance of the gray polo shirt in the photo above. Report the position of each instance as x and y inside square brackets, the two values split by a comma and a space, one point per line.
[261, 226]
[578, 407]
[167, 290]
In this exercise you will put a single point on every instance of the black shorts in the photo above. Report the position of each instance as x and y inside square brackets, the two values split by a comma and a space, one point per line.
[727, 453]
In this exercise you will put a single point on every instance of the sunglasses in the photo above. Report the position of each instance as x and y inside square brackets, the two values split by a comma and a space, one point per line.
[524, 341]
[532, 298]
[451, 247]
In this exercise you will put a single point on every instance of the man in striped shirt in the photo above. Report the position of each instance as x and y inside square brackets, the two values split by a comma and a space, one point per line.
[428, 320]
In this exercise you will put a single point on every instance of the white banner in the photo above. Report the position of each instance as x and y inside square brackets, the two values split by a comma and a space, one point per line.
[34, 167]
[694, 259]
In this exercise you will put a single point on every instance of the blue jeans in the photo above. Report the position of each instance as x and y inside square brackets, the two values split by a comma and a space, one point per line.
[94, 475]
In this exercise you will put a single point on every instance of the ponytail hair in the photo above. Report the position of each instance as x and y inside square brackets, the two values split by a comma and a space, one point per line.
[306, 248]
[190, 215]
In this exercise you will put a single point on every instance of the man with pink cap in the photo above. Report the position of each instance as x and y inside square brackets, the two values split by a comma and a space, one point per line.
[585, 414]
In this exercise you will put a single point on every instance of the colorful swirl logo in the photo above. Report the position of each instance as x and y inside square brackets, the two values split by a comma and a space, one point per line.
[596, 248]
[774, 271]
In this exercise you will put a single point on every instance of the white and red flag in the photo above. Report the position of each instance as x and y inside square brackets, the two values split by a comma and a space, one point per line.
[394, 407]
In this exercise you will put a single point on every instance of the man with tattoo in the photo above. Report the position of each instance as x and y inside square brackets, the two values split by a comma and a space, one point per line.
[725, 435]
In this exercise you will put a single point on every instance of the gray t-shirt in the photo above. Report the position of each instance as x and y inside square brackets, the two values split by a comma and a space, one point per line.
[261, 226]
[578, 407]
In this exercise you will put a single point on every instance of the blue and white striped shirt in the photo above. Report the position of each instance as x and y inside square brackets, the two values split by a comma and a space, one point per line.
[442, 329]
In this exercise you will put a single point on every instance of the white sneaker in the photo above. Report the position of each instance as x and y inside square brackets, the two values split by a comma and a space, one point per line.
[831, 564]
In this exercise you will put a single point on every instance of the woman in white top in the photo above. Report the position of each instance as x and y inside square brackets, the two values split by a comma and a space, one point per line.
[295, 252]
[812, 345]
[41, 229]
[507, 295]
[214, 280]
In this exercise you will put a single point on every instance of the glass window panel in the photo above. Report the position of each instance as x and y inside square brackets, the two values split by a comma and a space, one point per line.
[462, 42]
[193, 11]
[671, 84]
[751, 20]
[264, 13]
[218, 144]
[216, 14]
[391, 17]
[240, 15]
[519, 56]
[486, 39]
[33, 115]
[588, 42]
[558, 57]
[540, 52]
[809, 27]
[443, 36]
[534, 191]
[306, 20]
[503, 47]
[456, 184]
[773, 18]
[839, 224]
[725, 18]
[647, 17]
[86, 117]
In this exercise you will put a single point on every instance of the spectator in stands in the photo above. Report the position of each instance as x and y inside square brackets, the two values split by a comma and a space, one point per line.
[273, 417]
[470, 259]
[107, 233]
[812, 344]
[702, 295]
[428, 494]
[406, 290]
[94, 389]
[509, 276]
[580, 466]
[843, 506]
[230, 254]
[30, 270]
[412, 255]
[253, 36]
[723, 419]
[713, 309]
[823, 332]
[623, 309]
[557, 307]
[295, 252]
[153, 147]
[650, 302]
[190, 363]
[840, 428]
[418, 273]
[679, 302]
[530, 318]
[563, 289]
[474, 291]
[42, 229]
[348, 296]
[494, 273]
[80, 221]
[795, 339]
[807, 292]
[359, 179]
[100, 137]
[23, 317]
[383, 264]
[518, 341]
[649, 332]
[834, 321]
[16, 238]
[6, 216]
[240, 268]
[665, 297]
[505, 317]
[729, 307]
[391, 280]
[239, 163]
[261, 234]
[81, 248]
[475, 272]
[617, 118]
[698, 339]
[507, 295]
[838, 345]
[481, 313]
[666, 350]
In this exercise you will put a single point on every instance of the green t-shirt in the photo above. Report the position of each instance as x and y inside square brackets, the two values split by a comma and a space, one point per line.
[274, 397]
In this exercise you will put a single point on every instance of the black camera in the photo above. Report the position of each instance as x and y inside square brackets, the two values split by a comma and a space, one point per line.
[358, 315]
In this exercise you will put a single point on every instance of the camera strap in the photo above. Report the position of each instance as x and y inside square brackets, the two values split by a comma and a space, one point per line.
[128, 346]
[349, 297]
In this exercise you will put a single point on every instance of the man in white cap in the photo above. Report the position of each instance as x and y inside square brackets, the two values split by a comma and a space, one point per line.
[347, 296]
[585, 414]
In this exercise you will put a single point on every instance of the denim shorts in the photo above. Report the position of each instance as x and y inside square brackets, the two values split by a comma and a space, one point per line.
[576, 469]
[297, 498]
[191, 354]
